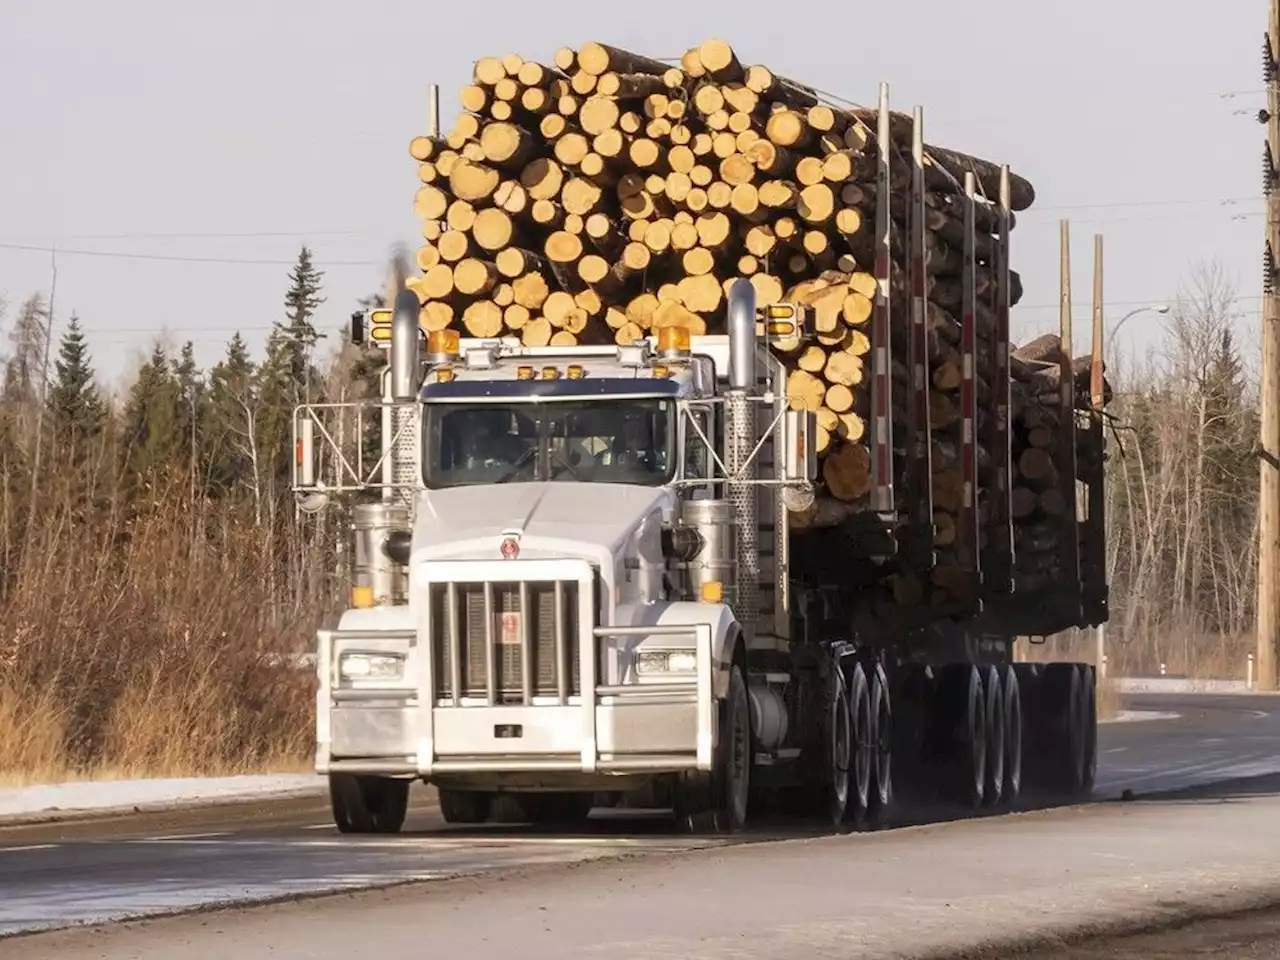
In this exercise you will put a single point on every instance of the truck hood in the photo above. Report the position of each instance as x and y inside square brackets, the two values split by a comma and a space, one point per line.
[581, 520]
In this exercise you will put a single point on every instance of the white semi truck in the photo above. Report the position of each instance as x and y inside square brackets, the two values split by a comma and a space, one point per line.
[575, 584]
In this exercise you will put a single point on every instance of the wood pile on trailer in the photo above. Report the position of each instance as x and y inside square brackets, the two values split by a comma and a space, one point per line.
[606, 195]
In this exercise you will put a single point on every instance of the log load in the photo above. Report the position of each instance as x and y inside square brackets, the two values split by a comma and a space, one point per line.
[606, 195]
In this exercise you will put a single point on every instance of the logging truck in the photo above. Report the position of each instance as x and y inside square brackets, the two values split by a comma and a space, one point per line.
[582, 587]
[650, 535]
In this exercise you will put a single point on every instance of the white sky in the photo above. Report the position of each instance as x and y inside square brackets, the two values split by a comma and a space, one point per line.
[149, 128]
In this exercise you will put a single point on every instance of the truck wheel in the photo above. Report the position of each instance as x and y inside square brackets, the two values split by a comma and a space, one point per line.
[881, 790]
[862, 731]
[840, 745]
[1012, 791]
[1089, 714]
[1065, 724]
[914, 740]
[368, 804]
[734, 790]
[993, 788]
[506, 808]
[718, 803]
[962, 715]
[464, 806]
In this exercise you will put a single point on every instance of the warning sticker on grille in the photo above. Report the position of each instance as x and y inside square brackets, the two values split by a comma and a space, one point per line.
[509, 629]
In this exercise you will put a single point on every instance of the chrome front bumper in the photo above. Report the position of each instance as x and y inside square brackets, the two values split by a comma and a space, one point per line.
[442, 722]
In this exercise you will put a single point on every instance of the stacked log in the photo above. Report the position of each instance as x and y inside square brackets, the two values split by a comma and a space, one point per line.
[1041, 501]
[607, 195]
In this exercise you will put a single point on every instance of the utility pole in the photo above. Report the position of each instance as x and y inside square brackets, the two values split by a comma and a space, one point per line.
[1268, 594]
[44, 374]
[1097, 490]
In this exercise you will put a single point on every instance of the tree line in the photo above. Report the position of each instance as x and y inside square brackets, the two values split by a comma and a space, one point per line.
[152, 558]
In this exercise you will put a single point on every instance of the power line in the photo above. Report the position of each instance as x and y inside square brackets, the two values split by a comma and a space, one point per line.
[191, 235]
[175, 258]
[1168, 202]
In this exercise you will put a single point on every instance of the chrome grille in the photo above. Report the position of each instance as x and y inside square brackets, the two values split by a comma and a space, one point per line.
[526, 646]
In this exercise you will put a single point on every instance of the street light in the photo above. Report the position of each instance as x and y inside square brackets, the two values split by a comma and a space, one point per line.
[1100, 631]
[1161, 308]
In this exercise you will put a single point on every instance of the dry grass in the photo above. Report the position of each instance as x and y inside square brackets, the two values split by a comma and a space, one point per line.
[32, 731]
[140, 645]
[1183, 651]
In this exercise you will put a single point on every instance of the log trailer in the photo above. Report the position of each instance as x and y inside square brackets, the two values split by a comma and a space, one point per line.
[577, 582]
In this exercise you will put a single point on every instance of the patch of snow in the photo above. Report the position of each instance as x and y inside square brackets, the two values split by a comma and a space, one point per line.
[43, 801]
[1181, 685]
[1133, 716]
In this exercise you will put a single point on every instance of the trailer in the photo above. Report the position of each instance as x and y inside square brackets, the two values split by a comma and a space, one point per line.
[580, 578]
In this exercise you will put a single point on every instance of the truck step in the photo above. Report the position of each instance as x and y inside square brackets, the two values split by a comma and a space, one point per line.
[778, 756]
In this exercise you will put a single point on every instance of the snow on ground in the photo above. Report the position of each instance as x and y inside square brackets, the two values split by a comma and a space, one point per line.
[1131, 716]
[44, 800]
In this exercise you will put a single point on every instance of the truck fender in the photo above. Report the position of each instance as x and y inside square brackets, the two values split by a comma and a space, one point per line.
[725, 631]
[375, 620]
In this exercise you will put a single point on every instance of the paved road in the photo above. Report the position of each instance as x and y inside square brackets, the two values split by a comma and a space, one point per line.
[1254, 935]
[1214, 738]
[106, 869]
[920, 892]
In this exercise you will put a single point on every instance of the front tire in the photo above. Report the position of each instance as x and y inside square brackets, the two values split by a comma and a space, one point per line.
[362, 804]
[734, 794]
[719, 803]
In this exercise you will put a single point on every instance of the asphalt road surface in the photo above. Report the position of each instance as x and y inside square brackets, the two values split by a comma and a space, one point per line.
[1254, 935]
[104, 869]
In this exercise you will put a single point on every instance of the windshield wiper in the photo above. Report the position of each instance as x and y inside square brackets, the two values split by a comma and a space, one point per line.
[568, 466]
[515, 467]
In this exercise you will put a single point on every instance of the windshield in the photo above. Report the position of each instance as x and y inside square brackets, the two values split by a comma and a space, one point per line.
[597, 441]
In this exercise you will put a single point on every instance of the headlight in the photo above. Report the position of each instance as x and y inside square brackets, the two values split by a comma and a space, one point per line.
[666, 661]
[371, 666]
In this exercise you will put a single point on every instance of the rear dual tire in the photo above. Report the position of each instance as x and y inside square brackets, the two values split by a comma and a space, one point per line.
[849, 746]
[1063, 718]
[979, 725]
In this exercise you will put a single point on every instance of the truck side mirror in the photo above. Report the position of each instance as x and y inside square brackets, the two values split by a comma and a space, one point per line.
[800, 453]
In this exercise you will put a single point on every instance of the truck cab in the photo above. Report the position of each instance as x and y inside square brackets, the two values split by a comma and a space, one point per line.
[562, 560]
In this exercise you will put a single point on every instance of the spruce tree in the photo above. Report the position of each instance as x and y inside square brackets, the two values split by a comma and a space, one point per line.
[191, 408]
[231, 404]
[301, 302]
[287, 376]
[76, 411]
[152, 431]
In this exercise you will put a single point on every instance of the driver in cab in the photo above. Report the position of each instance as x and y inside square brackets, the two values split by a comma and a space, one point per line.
[633, 447]
[489, 443]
